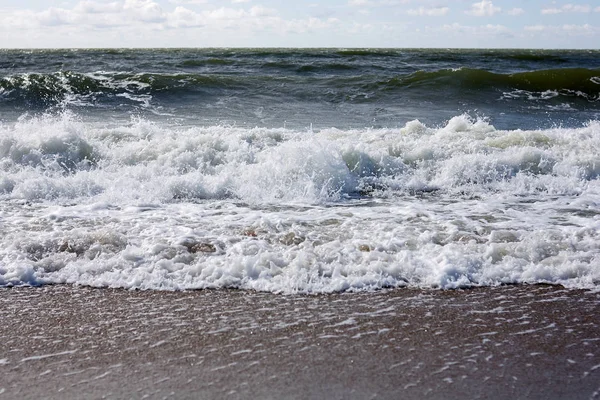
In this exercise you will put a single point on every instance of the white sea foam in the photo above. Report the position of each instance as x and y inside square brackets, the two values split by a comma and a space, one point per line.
[160, 207]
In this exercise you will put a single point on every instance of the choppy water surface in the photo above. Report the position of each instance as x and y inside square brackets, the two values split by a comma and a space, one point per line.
[299, 170]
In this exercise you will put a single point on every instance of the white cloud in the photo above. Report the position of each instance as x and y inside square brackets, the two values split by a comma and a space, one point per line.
[359, 3]
[551, 11]
[240, 1]
[429, 12]
[571, 30]
[485, 8]
[488, 29]
[394, 2]
[377, 3]
[535, 28]
[56, 16]
[93, 7]
[515, 11]
[145, 10]
[141, 23]
[573, 8]
[577, 8]
[181, 17]
[146, 16]
[260, 11]
[258, 18]
[585, 29]
[225, 14]
[188, 2]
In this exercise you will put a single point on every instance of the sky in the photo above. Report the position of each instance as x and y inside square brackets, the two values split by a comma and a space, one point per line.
[312, 23]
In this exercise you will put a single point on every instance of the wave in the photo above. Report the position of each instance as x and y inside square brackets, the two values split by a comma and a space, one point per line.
[42, 90]
[205, 62]
[580, 82]
[152, 206]
[322, 81]
[369, 52]
[317, 68]
[530, 56]
[47, 158]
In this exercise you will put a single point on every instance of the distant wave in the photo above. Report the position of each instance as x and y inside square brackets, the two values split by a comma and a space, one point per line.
[203, 62]
[569, 81]
[36, 89]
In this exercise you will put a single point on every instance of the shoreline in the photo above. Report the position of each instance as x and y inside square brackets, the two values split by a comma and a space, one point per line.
[514, 341]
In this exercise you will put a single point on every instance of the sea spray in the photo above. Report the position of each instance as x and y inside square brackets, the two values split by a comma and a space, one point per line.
[148, 205]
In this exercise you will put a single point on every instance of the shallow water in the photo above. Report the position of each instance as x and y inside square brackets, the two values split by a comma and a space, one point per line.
[509, 342]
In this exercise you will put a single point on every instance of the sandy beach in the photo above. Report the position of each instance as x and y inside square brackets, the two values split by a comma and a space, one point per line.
[509, 342]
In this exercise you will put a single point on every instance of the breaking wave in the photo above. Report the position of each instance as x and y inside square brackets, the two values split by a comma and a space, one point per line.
[153, 206]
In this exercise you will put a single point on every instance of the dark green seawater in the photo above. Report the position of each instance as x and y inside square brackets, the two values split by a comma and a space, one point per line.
[297, 88]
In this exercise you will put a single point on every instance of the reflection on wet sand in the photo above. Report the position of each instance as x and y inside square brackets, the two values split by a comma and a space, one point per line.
[499, 342]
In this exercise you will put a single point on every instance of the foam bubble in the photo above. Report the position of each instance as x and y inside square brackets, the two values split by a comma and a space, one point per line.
[159, 207]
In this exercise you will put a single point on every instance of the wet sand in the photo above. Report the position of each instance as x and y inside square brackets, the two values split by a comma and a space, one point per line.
[512, 342]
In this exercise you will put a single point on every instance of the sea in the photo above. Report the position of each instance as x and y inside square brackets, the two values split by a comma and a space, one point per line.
[299, 170]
